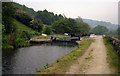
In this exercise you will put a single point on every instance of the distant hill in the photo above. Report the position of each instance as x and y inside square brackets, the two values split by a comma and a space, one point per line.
[93, 23]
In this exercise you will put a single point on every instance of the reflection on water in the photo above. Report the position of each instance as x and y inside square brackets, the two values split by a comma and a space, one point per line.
[29, 60]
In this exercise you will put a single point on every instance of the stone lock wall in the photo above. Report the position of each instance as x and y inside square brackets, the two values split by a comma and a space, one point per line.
[116, 43]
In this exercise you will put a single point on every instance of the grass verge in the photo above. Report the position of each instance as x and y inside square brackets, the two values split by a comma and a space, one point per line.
[112, 56]
[63, 64]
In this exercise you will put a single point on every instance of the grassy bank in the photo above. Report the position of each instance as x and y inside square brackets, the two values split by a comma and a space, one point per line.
[112, 57]
[19, 38]
[63, 64]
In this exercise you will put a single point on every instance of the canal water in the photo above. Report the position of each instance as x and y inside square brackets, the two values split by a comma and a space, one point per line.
[31, 59]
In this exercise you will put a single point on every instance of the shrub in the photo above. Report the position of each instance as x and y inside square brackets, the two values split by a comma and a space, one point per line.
[20, 43]
[47, 30]
[23, 35]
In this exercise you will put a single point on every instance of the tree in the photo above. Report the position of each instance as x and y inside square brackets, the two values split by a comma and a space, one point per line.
[37, 25]
[8, 11]
[23, 17]
[84, 27]
[47, 30]
[45, 17]
[48, 17]
[99, 30]
[66, 26]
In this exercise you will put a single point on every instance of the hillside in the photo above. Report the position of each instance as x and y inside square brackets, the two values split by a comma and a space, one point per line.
[51, 18]
[93, 23]
[21, 27]
[26, 9]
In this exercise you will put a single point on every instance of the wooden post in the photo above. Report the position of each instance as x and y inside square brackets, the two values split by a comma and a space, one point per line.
[51, 38]
[54, 39]
[79, 37]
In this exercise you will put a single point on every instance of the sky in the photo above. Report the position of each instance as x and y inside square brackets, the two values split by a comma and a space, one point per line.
[102, 10]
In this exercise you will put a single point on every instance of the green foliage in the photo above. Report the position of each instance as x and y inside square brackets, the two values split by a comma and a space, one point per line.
[22, 27]
[100, 30]
[26, 9]
[6, 46]
[84, 27]
[47, 30]
[23, 17]
[45, 16]
[15, 34]
[8, 11]
[71, 26]
[3, 29]
[23, 35]
[37, 25]
[20, 43]
[48, 17]
[66, 26]
[19, 37]
[4, 41]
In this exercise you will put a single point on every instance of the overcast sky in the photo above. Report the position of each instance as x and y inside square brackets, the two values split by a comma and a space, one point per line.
[105, 10]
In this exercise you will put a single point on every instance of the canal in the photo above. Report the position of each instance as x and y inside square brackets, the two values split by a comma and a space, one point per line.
[31, 59]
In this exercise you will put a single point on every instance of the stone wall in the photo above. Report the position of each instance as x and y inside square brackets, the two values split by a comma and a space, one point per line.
[116, 43]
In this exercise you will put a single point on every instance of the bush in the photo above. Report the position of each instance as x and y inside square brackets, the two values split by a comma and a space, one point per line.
[20, 43]
[6, 46]
[23, 35]
[23, 17]
[47, 30]
[37, 25]
[21, 38]
[26, 35]
[4, 41]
